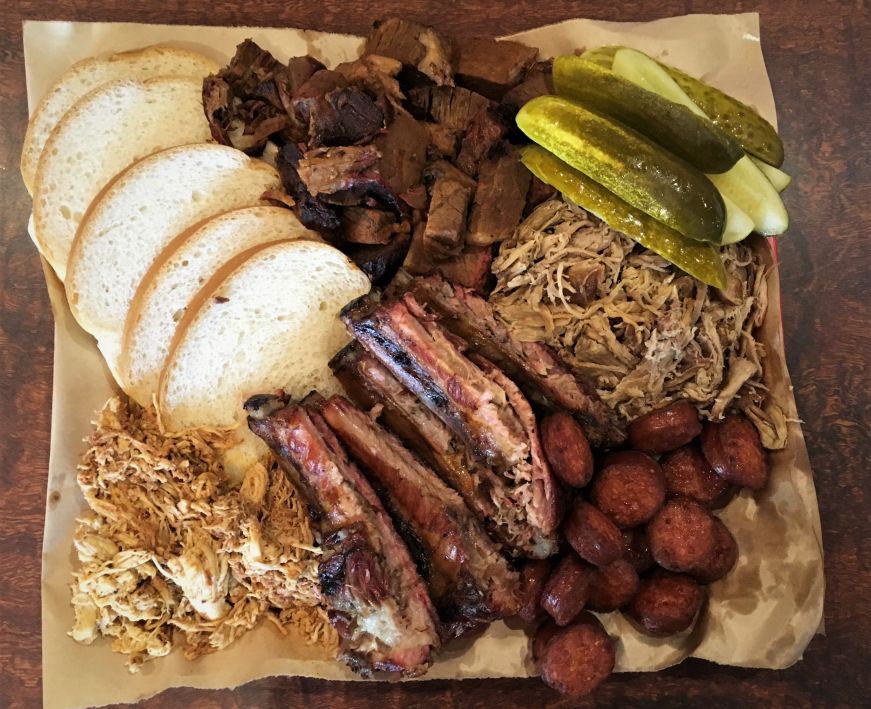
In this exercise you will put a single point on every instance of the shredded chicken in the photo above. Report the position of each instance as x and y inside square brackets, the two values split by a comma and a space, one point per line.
[170, 554]
[643, 331]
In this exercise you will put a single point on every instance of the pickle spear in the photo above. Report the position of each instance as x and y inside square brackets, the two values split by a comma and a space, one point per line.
[676, 128]
[632, 167]
[699, 259]
[743, 184]
[750, 130]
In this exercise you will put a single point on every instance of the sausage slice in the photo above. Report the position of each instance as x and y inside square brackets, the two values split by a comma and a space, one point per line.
[734, 450]
[533, 576]
[565, 592]
[666, 603]
[682, 536]
[636, 551]
[613, 586]
[665, 429]
[687, 474]
[629, 492]
[578, 658]
[567, 449]
[592, 535]
[723, 558]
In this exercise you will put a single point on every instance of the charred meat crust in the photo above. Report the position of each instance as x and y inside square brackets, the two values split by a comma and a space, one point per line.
[419, 353]
[375, 596]
[469, 581]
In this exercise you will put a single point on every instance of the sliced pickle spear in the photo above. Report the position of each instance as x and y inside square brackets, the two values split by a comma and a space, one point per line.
[603, 56]
[699, 259]
[676, 128]
[746, 127]
[632, 167]
[776, 176]
[743, 184]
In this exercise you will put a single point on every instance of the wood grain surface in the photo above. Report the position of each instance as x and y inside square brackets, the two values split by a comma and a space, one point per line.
[817, 53]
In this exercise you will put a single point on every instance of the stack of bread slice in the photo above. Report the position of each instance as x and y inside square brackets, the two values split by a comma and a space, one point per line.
[198, 288]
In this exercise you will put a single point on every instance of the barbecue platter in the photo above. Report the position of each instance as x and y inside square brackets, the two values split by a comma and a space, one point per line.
[447, 334]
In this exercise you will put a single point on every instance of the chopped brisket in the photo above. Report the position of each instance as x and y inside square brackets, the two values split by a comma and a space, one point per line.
[313, 90]
[468, 580]
[443, 170]
[418, 260]
[419, 47]
[374, 594]
[499, 199]
[443, 141]
[491, 67]
[538, 192]
[453, 107]
[485, 131]
[469, 268]
[538, 82]
[446, 221]
[344, 116]
[377, 75]
[403, 152]
[535, 367]
[362, 225]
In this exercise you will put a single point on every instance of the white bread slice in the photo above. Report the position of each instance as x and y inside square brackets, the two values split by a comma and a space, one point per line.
[88, 74]
[181, 269]
[141, 211]
[269, 319]
[104, 132]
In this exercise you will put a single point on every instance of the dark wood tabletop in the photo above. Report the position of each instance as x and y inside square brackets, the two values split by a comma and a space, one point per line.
[817, 53]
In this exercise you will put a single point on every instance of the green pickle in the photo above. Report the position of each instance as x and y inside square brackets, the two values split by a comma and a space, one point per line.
[747, 128]
[632, 167]
[699, 259]
[674, 127]
[750, 130]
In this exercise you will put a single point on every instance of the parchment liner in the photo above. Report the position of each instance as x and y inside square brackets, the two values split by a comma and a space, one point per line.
[762, 615]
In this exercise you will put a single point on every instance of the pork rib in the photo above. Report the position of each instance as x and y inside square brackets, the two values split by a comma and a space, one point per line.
[497, 503]
[469, 580]
[427, 361]
[534, 366]
[376, 598]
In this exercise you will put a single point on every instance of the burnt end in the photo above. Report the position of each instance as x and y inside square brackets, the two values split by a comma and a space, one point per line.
[381, 262]
[442, 141]
[314, 213]
[491, 67]
[318, 85]
[499, 199]
[344, 117]
[418, 47]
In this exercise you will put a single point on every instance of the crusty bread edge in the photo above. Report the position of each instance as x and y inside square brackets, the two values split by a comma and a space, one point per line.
[146, 285]
[77, 108]
[193, 310]
[29, 166]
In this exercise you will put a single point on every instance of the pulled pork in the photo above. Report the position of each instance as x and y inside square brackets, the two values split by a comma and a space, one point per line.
[643, 331]
[170, 552]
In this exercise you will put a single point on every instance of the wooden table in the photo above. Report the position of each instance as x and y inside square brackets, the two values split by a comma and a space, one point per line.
[817, 55]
